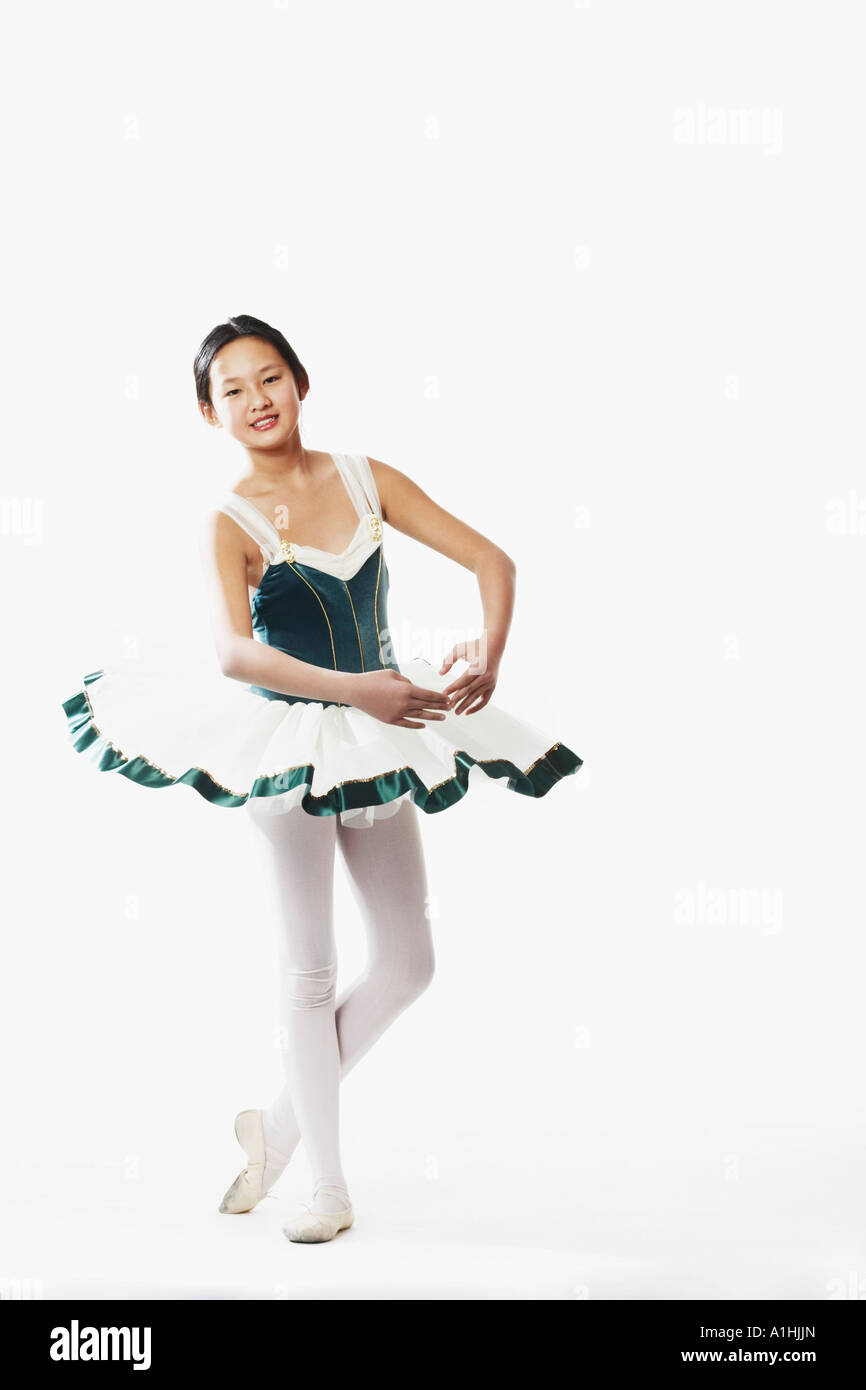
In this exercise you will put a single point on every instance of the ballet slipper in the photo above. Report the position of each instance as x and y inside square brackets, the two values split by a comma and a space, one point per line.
[313, 1227]
[248, 1189]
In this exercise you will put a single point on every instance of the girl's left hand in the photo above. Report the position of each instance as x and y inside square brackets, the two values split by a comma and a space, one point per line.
[472, 689]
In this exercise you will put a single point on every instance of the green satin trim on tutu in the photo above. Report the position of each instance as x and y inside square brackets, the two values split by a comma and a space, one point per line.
[536, 780]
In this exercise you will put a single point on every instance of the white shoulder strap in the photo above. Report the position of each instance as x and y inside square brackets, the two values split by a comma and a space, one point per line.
[251, 520]
[347, 467]
[368, 482]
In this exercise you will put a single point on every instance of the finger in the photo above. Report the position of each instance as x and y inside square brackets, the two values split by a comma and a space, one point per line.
[430, 697]
[467, 681]
[457, 653]
[419, 711]
[407, 724]
[462, 709]
[459, 690]
[468, 697]
[433, 697]
[479, 704]
[470, 674]
[469, 706]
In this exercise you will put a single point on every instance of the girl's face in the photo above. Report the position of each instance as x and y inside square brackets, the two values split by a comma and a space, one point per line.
[250, 383]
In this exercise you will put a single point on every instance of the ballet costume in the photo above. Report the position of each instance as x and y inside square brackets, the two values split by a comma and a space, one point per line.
[310, 774]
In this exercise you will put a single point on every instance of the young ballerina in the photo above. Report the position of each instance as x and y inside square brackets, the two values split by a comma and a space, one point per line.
[315, 727]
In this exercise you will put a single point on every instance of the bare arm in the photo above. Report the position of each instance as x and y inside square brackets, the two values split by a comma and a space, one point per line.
[240, 655]
[409, 509]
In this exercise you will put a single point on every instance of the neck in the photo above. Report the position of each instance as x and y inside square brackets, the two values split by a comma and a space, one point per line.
[270, 468]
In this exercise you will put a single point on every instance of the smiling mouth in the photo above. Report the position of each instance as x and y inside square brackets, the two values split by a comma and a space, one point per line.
[265, 423]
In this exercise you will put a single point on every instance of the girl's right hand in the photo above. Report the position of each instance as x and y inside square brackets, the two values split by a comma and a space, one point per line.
[392, 697]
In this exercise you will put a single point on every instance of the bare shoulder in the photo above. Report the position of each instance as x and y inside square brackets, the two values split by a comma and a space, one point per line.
[408, 508]
[220, 537]
[390, 483]
[215, 524]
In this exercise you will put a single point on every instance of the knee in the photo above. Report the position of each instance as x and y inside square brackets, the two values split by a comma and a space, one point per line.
[408, 977]
[424, 968]
[310, 989]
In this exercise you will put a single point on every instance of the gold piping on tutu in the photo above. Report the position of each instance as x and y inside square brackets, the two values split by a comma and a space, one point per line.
[164, 770]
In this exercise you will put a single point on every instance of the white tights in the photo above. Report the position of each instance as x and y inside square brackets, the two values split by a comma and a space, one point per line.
[324, 1036]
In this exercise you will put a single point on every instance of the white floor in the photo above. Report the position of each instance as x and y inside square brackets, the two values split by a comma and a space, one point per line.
[501, 1215]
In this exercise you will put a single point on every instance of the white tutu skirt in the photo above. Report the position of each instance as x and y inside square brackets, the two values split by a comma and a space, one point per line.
[166, 719]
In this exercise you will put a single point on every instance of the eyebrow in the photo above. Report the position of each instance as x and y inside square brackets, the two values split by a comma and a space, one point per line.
[266, 368]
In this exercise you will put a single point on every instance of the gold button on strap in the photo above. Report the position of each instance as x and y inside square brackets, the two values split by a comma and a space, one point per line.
[288, 550]
[375, 526]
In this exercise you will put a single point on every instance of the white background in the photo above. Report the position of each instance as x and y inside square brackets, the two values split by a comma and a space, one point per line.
[592, 275]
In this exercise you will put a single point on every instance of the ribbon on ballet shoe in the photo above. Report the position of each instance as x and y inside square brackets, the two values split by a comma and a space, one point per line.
[328, 1190]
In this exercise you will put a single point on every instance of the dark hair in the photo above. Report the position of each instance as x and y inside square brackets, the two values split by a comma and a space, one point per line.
[243, 326]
